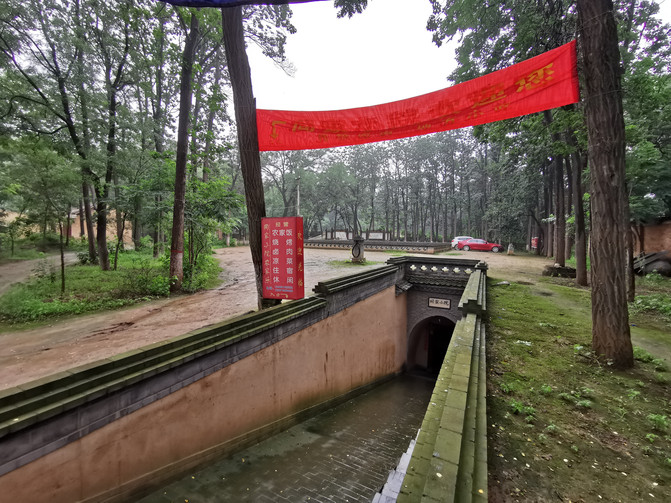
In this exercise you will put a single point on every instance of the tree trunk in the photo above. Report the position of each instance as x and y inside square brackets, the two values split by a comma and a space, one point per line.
[82, 232]
[605, 127]
[629, 251]
[560, 217]
[185, 95]
[579, 210]
[120, 222]
[101, 231]
[568, 198]
[137, 223]
[62, 250]
[248, 142]
[209, 137]
[90, 234]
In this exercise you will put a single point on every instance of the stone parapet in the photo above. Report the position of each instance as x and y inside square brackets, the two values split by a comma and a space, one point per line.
[105, 430]
[449, 460]
[376, 245]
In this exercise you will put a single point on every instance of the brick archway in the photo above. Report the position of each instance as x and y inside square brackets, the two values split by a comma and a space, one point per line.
[428, 343]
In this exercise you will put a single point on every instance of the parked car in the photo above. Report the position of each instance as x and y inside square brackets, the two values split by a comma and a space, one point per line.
[480, 245]
[458, 239]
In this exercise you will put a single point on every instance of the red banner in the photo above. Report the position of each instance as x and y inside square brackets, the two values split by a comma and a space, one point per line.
[546, 81]
[283, 258]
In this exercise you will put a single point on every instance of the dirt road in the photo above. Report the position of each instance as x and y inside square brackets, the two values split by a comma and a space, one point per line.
[32, 354]
[18, 271]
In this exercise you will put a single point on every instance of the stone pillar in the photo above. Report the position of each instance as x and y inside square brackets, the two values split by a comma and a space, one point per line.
[357, 250]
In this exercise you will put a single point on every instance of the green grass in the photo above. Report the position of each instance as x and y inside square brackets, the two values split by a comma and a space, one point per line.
[138, 278]
[570, 262]
[590, 424]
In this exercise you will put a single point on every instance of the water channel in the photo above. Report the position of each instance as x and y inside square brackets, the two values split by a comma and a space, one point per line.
[342, 455]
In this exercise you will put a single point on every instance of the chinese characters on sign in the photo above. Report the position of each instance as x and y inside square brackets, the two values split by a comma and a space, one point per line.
[283, 258]
[439, 303]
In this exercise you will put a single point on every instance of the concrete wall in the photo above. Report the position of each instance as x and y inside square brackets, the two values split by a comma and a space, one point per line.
[217, 413]
[112, 430]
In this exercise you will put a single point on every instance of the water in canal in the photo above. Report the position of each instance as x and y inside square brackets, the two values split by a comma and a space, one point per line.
[341, 455]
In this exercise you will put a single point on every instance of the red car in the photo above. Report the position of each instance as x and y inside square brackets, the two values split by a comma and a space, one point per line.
[479, 244]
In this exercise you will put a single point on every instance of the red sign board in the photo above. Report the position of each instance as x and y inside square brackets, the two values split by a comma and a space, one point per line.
[283, 258]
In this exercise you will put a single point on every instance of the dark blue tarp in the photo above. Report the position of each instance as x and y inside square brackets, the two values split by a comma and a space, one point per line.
[231, 3]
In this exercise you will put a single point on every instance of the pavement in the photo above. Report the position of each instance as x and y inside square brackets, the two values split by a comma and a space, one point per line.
[342, 455]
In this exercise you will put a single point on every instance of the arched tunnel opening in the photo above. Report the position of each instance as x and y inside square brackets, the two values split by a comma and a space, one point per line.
[428, 344]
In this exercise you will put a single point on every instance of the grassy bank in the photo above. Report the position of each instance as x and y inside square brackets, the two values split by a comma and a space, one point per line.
[562, 425]
[138, 278]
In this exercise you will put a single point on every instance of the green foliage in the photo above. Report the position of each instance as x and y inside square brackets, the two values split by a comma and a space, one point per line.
[144, 277]
[657, 303]
[586, 399]
[633, 394]
[88, 289]
[520, 408]
[84, 258]
[653, 280]
[203, 274]
[509, 387]
[659, 422]
[642, 355]
[660, 365]
[551, 429]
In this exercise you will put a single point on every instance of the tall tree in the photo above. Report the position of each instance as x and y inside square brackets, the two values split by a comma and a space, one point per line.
[605, 126]
[248, 142]
[185, 97]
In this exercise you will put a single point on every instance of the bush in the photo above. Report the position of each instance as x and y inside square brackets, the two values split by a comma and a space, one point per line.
[144, 278]
[85, 259]
[642, 355]
[201, 275]
[658, 302]
[48, 240]
[146, 243]
[658, 421]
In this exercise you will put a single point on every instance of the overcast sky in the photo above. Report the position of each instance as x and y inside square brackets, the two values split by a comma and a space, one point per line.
[382, 55]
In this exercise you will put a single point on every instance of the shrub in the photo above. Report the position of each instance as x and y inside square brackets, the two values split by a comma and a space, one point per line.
[142, 278]
[85, 259]
[660, 365]
[657, 302]
[659, 421]
[642, 355]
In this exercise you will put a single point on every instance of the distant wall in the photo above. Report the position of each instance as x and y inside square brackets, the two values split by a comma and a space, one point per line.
[74, 227]
[653, 238]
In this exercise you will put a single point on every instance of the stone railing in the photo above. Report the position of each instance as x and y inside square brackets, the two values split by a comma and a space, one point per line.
[376, 245]
[38, 401]
[449, 459]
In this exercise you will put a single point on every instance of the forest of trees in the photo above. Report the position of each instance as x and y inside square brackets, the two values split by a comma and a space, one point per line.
[92, 95]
